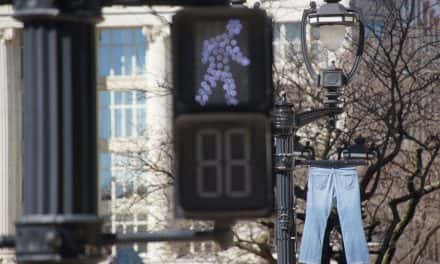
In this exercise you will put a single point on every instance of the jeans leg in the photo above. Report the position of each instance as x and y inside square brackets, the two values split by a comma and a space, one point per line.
[349, 210]
[319, 200]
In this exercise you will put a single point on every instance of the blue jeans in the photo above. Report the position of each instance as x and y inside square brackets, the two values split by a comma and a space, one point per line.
[326, 186]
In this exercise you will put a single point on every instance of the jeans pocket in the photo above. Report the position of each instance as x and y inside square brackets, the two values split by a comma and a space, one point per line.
[319, 180]
[349, 181]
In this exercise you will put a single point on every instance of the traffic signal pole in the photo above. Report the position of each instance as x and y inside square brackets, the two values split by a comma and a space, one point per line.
[60, 210]
[283, 129]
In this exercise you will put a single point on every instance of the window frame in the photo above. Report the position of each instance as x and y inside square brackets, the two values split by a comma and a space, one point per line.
[282, 43]
[124, 107]
[132, 122]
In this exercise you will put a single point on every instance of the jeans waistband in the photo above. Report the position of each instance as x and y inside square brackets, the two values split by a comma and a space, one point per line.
[339, 169]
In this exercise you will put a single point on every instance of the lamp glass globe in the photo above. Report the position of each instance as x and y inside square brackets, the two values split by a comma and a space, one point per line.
[332, 36]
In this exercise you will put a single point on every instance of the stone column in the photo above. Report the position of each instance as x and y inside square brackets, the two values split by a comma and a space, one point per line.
[159, 105]
[10, 135]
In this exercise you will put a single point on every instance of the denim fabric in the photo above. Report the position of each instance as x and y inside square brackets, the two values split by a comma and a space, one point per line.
[326, 186]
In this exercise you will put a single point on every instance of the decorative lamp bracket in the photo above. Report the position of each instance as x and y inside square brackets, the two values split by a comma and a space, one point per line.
[304, 118]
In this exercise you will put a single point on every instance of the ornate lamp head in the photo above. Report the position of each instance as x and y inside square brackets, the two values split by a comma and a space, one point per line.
[331, 20]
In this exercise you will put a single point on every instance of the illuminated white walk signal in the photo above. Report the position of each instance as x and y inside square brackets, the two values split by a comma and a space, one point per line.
[218, 54]
[222, 60]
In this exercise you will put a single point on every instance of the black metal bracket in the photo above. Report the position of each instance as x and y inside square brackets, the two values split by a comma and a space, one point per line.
[7, 242]
[304, 118]
[331, 163]
[54, 238]
[221, 236]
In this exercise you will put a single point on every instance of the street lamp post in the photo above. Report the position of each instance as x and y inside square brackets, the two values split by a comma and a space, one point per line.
[287, 150]
[283, 164]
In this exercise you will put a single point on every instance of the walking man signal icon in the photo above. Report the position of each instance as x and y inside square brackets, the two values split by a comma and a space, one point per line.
[217, 53]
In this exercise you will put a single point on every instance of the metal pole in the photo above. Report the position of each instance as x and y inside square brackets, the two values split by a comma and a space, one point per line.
[221, 233]
[60, 212]
[283, 121]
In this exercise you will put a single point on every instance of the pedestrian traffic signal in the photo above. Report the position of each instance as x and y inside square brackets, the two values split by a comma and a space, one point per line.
[222, 100]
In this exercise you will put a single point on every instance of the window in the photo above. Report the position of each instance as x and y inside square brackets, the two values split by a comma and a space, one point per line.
[287, 38]
[124, 189]
[142, 228]
[130, 229]
[142, 217]
[122, 52]
[293, 32]
[121, 172]
[122, 114]
[124, 217]
[120, 229]
[374, 28]
[105, 174]
[287, 32]
[126, 174]
[129, 224]
[142, 248]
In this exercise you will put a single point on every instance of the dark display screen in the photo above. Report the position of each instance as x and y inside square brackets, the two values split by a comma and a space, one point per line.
[223, 166]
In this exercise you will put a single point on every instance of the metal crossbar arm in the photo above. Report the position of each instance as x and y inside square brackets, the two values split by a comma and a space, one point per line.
[304, 118]
[163, 236]
[221, 233]
[331, 163]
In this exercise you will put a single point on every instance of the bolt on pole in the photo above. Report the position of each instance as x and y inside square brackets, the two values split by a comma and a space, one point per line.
[283, 126]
